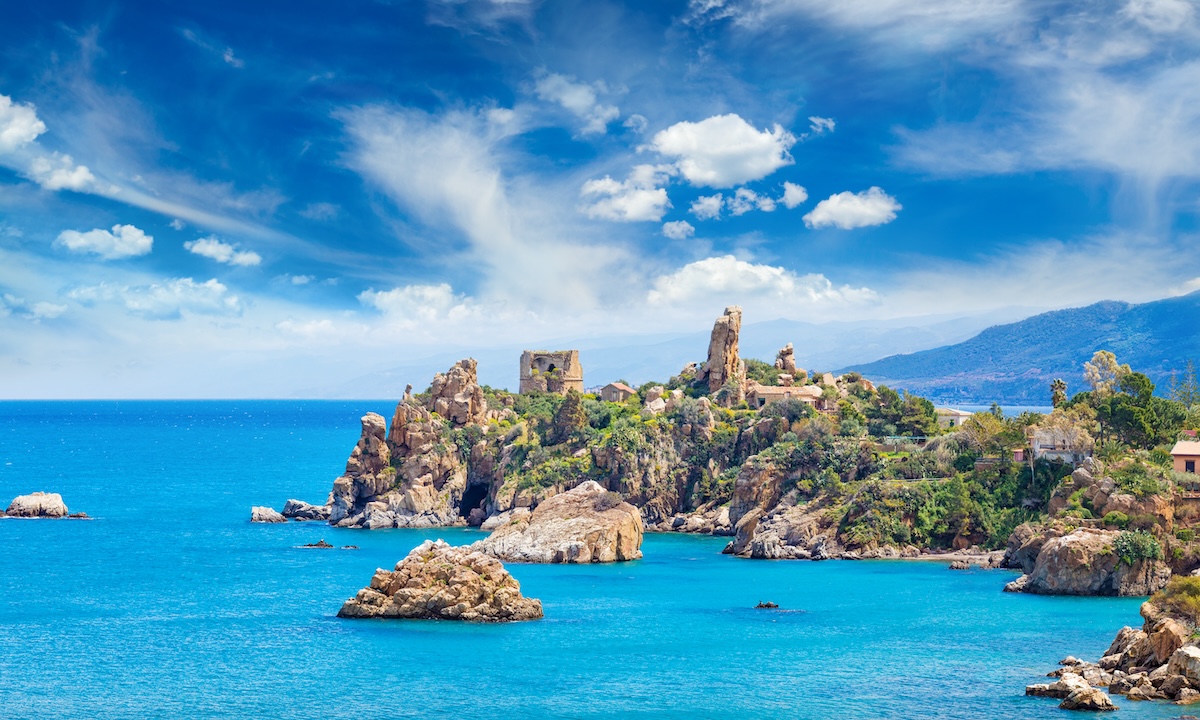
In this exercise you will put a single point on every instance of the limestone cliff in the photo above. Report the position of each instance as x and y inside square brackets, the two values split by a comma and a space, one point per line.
[723, 363]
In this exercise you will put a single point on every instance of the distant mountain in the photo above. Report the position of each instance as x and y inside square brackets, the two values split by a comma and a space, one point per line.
[1014, 363]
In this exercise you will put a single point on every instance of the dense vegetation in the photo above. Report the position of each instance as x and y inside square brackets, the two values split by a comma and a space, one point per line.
[875, 459]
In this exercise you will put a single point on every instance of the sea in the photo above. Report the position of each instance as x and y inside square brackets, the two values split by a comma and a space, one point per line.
[169, 603]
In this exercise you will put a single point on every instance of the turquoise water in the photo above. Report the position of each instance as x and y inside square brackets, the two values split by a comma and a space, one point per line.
[170, 604]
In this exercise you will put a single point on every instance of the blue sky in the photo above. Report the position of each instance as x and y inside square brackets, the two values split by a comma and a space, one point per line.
[246, 200]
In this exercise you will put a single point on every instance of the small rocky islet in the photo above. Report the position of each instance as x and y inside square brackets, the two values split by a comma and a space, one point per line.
[40, 505]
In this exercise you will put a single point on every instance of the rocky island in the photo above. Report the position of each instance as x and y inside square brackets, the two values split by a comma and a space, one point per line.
[439, 582]
[40, 505]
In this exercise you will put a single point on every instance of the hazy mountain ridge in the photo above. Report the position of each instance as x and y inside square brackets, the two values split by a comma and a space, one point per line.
[1014, 363]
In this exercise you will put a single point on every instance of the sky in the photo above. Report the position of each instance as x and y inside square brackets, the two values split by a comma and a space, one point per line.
[264, 199]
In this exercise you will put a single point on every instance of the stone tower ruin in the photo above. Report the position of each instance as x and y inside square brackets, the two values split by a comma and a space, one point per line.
[551, 371]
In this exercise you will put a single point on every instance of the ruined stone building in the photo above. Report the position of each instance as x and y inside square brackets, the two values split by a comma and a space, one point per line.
[551, 371]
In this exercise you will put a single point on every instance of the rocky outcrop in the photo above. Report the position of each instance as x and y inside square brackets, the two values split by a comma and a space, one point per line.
[583, 525]
[723, 363]
[1083, 562]
[1103, 496]
[439, 582]
[300, 510]
[37, 505]
[1158, 662]
[260, 514]
[457, 396]
[785, 360]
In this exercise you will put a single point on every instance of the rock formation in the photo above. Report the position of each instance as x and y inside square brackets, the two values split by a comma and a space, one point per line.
[550, 371]
[300, 510]
[1158, 662]
[1083, 562]
[37, 505]
[723, 362]
[785, 360]
[260, 514]
[439, 582]
[584, 525]
[1103, 496]
[457, 396]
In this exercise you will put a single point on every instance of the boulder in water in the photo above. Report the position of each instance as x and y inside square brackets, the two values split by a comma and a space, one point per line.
[38, 505]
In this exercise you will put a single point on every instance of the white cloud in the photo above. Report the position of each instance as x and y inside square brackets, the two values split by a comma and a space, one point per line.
[847, 210]
[231, 59]
[726, 278]
[1161, 16]
[320, 211]
[820, 125]
[707, 207]
[724, 150]
[678, 230]
[444, 171]
[636, 123]
[122, 242]
[164, 300]
[214, 249]
[59, 172]
[177, 224]
[301, 279]
[19, 124]
[420, 304]
[34, 312]
[793, 195]
[745, 200]
[931, 24]
[638, 198]
[580, 99]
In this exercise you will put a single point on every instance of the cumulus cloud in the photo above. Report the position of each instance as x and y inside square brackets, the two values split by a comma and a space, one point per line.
[420, 304]
[301, 279]
[726, 277]
[745, 200]
[793, 195]
[637, 198]
[580, 99]
[122, 242]
[213, 248]
[847, 210]
[708, 207]
[678, 230]
[19, 124]
[34, 312]
[177, 224]
[724, 150]
[59, 172]
[167, 300]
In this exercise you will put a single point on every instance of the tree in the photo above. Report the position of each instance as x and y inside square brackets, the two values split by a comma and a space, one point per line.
[1186, 391]
[1058, 392]
[570, 418]
[1103, 373]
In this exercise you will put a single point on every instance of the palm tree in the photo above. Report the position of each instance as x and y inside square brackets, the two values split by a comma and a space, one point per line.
[1058, 392]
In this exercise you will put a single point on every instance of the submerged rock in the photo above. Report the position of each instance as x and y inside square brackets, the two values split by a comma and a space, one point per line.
[260, 514]
[768, 605]
[439, 582]
[584, 525]
[37, 505]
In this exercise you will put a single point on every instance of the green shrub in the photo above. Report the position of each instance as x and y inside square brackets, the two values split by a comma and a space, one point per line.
[1138, 545]
[1117, 519]
[1185, 534]
[609, 500]
[1180, 597]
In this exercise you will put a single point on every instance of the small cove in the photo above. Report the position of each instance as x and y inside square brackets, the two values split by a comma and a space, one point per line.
[170, 603]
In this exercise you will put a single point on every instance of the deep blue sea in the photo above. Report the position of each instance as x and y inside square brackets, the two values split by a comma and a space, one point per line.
[171, 604]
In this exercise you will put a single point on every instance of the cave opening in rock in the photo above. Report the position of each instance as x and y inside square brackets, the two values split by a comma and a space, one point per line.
[473, 497]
